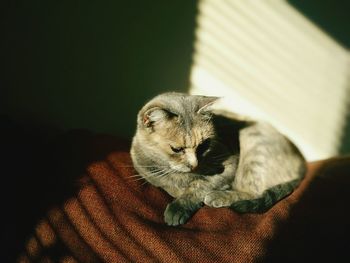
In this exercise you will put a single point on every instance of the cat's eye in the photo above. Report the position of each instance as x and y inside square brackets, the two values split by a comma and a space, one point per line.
[203, 147]
[177, 150]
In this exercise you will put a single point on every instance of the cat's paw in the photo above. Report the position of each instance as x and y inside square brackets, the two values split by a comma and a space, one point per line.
[177, 214]
[217, 199]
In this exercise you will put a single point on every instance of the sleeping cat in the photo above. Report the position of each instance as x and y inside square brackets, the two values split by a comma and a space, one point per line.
[200, 156]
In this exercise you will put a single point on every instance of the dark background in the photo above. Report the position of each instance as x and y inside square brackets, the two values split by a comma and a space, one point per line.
[76, 64]
[91, 65]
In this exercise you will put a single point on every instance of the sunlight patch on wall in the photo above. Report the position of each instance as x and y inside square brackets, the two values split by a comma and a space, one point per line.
[271, 63]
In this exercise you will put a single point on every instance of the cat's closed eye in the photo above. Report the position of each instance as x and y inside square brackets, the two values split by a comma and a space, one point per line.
[177, 149]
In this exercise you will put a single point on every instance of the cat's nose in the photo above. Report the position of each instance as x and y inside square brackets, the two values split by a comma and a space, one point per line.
[192, 161]
[193, 165]
[194, 168]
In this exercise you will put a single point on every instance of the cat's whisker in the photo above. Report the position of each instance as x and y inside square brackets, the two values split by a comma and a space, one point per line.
[163, 166]
[166, 173]
[135, 175]
[157, 172]
[154, 174]
[136, 166]
[145, 182]
[161, 175]
[139, 179]
[150, 166]
[136, 178]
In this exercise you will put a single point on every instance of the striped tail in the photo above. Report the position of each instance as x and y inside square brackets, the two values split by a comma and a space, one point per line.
[269, 197]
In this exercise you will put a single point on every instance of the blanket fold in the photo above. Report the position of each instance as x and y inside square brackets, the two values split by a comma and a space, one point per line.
[115, 217]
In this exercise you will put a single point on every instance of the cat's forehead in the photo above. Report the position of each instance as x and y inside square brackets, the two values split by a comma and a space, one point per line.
[182, 105]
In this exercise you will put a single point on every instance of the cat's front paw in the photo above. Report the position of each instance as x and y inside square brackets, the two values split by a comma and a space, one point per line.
[177, 213]
[217, 199]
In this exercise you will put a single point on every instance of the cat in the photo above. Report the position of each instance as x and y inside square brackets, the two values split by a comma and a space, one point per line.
[201, 156]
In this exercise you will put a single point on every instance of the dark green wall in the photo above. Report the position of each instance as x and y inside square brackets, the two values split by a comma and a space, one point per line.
[92, 64]
[330, 15]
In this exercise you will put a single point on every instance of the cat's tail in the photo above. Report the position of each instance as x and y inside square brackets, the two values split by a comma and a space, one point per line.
[269, 197]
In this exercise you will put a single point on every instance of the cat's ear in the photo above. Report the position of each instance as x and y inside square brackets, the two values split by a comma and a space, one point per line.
[205, 103]
[155, 115]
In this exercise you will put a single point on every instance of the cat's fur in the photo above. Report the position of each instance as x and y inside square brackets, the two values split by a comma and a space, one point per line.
[200, 157]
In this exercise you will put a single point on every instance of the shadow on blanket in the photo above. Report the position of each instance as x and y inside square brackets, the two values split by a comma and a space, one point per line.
[90, 208]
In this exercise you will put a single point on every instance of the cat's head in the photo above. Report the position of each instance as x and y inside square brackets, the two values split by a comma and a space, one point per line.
[176, 129]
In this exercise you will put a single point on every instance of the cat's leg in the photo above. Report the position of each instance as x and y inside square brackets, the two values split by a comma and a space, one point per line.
[226, 191]
[186, 204]
[180, 210]
[248, 184]
[253, 189]
[269, 169]
[226, 198]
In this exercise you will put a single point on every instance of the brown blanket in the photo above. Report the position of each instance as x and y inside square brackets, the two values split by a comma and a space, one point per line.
[113, 217]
